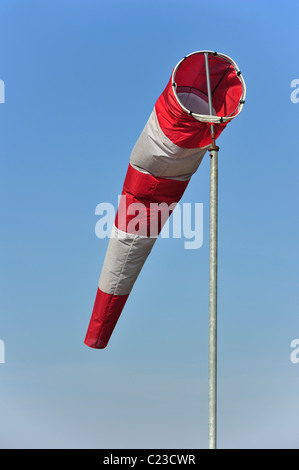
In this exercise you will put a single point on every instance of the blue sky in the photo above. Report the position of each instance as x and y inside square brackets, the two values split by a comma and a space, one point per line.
[81, 78]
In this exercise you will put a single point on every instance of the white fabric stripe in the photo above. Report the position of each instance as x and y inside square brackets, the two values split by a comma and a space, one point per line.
[125, 256]
[155, 154]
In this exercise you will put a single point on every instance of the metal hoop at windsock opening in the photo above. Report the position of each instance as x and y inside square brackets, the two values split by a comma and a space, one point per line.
[223, 67]
[163, 160]
[189, 97]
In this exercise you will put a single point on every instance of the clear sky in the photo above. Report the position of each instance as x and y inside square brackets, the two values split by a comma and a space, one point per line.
[81, 78]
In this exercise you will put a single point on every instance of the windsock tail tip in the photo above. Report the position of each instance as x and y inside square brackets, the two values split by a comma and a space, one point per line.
[106, 311]
[95, 343]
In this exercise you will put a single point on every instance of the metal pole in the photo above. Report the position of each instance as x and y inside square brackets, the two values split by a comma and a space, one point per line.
[213, 275]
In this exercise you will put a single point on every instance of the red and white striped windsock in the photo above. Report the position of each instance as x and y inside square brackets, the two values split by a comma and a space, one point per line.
[167, 153]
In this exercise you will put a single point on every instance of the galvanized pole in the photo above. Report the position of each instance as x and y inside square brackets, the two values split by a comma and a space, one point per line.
[213, 274]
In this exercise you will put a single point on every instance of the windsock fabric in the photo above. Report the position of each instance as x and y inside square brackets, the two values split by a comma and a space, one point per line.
[166, 155]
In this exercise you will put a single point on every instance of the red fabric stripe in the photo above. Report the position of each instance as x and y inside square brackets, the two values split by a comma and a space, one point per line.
[106, 311]
[182, 129]
[148, 202]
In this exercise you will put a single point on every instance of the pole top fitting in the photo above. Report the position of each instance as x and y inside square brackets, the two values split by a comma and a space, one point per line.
[213, 145]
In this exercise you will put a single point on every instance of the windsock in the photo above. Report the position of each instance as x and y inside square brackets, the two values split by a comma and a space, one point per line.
[163, 160]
